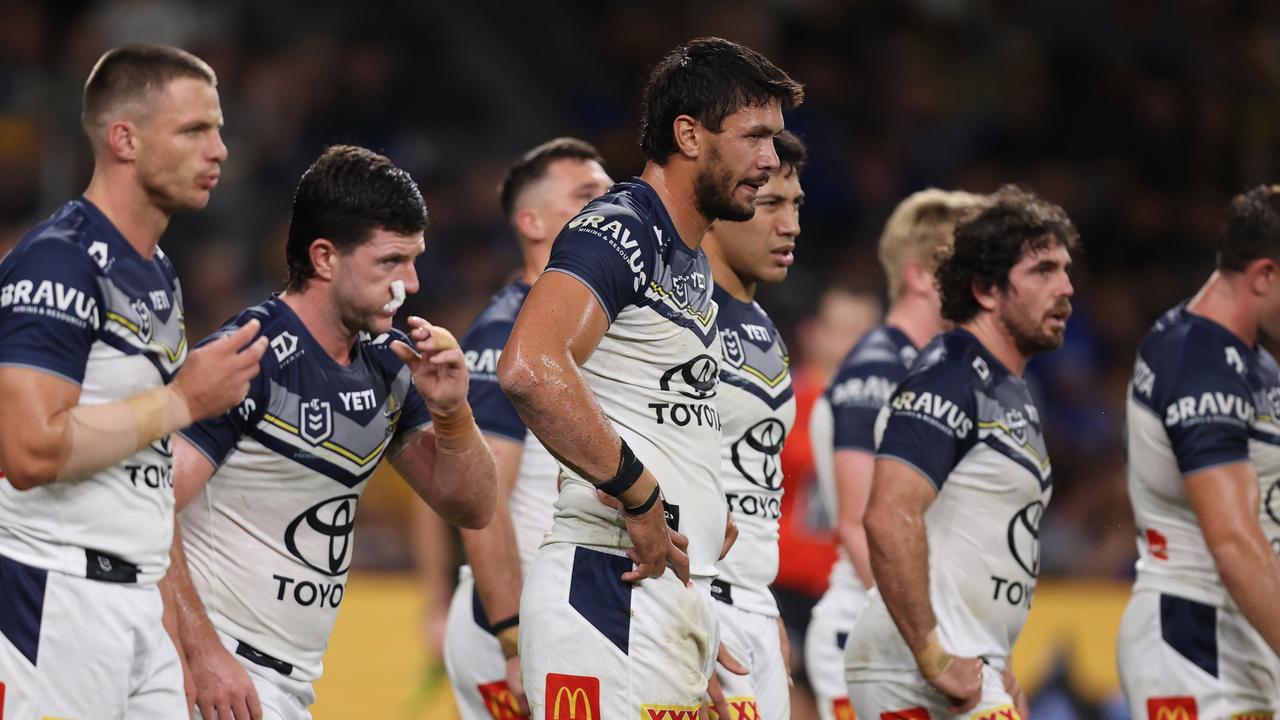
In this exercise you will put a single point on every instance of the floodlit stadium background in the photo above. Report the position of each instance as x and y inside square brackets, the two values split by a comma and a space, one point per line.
[1141, 118]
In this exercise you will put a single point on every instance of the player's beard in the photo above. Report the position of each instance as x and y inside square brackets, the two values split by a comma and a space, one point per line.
[714, 192]
[1029, 333]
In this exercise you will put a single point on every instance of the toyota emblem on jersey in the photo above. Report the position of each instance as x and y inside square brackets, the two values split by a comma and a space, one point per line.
[1272, 502]
[321, 536]
[144, 319]
[700, 375]
[732, 344]
[766, 438]
[1024, 537]
[315, 420]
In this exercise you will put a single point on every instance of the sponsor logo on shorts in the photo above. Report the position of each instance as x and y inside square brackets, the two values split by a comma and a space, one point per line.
[670, 712]
[842, 709]
[1158, 544]
[1254, 715]
[915, 713]
[1172, 708]
[1003, 712]
[572, 697]
[742, 708]
[500, 701]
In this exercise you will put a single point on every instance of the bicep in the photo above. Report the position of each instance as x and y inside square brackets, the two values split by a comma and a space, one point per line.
[191, 472]
[32, 400]
[899, 487]
[1225, 498]
[560, 315]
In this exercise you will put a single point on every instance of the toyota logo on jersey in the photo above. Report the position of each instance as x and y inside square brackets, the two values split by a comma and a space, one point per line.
[700, 375]
[321, 536]
[1024, 537]
[766, 438]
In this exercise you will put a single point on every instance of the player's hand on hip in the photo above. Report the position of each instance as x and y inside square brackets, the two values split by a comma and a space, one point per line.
[215, 377]
[516, 685]
[438, 366]
[1015, 691]
[961, 682]
[223, 688]
[730, 535]
[655, 546]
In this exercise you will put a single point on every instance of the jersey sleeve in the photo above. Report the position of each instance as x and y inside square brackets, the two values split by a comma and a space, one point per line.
[493, 411]
[856, 396]
[929, 423]
[414, 415]
[50, 309]
[1207, 409]
[217, 436]
[610, 251]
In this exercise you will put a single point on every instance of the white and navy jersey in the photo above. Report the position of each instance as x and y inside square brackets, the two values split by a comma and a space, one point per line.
[1200, 398]
[532, 501]
[78, 302]
[269, 539]
[757, 409]
[844, 418]
[655, 372]
[970, 426]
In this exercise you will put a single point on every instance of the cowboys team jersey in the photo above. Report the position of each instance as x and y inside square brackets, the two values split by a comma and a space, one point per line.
[1200, 398]
[655, 372]
[757, 409]
[844, 418]
[78, 302]
[969, 426]
[269, 539]
[532, 501]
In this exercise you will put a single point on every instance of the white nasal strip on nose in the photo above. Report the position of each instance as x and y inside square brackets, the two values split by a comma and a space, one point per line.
[397, 296]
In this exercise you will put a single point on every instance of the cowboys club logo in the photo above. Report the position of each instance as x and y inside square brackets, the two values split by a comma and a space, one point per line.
[732, 344]
[315, 420]
[1016, 423]
[321, 536]
[1024, 537]
[765, 437]
[144, 319]
[699, 374]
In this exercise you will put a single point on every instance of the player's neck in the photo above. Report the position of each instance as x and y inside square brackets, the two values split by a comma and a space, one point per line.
[915, 318]
[739, 288]
[322, 321]
[998, 341]
[537, 253]
[675, 190]
[1228, 303]
[128, 207]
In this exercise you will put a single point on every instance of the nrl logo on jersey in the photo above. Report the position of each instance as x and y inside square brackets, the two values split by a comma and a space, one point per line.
[144, 319]
[732, 344]
[315, 421]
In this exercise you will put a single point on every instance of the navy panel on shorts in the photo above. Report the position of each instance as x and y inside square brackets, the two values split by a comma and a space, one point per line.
[1191, 628]
[601, 597]
[22, 605]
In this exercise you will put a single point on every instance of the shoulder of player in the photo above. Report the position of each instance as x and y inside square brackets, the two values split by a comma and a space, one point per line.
[623, 217]
[951, 364]
[1192, 351]
[62, 242]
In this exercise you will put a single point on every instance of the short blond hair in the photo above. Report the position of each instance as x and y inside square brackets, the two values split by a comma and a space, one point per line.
[919, 229]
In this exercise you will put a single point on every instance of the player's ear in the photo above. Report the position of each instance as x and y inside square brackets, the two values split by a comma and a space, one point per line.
[530, 225]
[1263, 274]
[986, 296]
[917, 278]
[122, 140]
[688, 142]
[324, 257]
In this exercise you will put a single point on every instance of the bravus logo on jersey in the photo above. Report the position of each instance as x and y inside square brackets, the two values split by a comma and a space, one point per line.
[53, 297]
[1209, 404]
[934, 406]
[620, 238]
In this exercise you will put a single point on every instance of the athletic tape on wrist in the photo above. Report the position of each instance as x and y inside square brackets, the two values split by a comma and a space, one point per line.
[102, 435]
[501, 625]
[629, 471]
[933, 660]
[456, 431]
[643, 507]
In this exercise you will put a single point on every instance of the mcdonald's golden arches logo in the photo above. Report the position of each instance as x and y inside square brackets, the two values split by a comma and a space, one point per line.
[572, 697]
[1172, 708]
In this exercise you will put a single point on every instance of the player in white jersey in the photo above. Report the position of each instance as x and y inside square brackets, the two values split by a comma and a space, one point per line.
[91, 342]
[1201, 633]
[546, 187]
[843, 421]
[757, 409]
[613, 363]
[962, 477]
[273, 484]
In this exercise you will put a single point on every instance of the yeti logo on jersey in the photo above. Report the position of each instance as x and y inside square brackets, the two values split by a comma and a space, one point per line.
[732, 345]
[283, 345]
[1194, 409]
[321, 536]
[315, 421]
[1024, 537]
[700, 374]
[765, 437]
[144, 319]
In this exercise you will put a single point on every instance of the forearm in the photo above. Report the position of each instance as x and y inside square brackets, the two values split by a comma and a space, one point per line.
[899, 554]
[495, 564]
[853, 538]
[1251, 573]
[195, 629]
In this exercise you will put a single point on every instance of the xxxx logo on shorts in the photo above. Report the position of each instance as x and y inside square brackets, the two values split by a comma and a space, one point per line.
[668, 712]
[842, 709]
[500, 701]
[1003, 712]
[1172, 708]
[742, 708]
[1255, 715]
[572, 697]
[915, 713]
